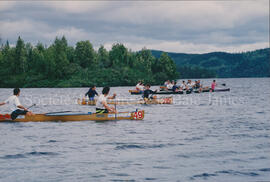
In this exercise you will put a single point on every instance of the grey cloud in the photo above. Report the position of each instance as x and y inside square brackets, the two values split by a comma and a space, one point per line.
[138, 25]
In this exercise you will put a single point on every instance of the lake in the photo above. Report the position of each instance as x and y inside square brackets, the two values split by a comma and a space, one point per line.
[222, 136]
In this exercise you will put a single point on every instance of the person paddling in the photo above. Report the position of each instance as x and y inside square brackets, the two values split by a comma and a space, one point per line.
[147, 92]
[15, 105]
[183, 86]
[213, 85]
[170, 85]
[175, 88]
[140, 87]
[101, 104]
[91, 93]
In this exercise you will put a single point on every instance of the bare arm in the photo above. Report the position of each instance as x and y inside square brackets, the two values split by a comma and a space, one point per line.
[2, 103]
[112, 97]
[21, 107]
[110, 109]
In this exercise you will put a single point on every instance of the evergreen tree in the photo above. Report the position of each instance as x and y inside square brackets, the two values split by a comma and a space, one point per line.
[84, 54]
[103, 57]
[60, 57]
[19, 62]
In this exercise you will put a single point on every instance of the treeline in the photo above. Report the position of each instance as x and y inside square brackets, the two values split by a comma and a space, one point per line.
[61, 65]
[196, 72]
[224, 65]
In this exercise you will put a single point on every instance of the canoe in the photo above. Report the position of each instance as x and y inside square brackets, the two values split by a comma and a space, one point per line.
[163, 88]
[222, 90]
[216, 90]
[165, 100]
[161, 92]
[135, 92]
[66, 116]
[86, 102]
[203, 90]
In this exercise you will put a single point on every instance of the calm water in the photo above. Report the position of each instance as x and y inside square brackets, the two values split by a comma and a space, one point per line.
[201, 137]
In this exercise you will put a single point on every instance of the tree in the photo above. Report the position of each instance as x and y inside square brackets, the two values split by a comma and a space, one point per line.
[166, 66]
[118, 55]
[84, 54]
[103, 57]
[19, 64]
[145, 59]
[59, 49]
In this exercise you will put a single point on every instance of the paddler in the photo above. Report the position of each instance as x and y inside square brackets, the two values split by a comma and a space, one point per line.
[15, 105]
[183, 86]
[91, 93]
[147, 92]
[175, 88]
[166, 83]
[101, 104]
[170, 85]
[213, 85]
[140, 87]
[198, 85]
[190, 85]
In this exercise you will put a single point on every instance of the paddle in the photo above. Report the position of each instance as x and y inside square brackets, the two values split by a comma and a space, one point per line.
[153, 93]
[115, 110]
[59, 112]
[31, 106]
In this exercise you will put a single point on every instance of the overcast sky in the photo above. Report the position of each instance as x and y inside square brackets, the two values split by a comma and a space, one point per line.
[176, 26]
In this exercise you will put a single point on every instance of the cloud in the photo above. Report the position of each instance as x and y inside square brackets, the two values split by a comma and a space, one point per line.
[179, 26]
[6, 5]
[77, 7]
[187, 47]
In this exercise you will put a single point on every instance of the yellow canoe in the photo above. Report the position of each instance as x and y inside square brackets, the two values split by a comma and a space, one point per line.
[66, 116]
[165, 100]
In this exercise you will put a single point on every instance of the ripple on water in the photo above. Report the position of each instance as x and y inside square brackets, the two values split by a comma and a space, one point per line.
[233, 172]
[52, 141]
[205, 176]
[25, 155]
[144, 146]
[265, 169]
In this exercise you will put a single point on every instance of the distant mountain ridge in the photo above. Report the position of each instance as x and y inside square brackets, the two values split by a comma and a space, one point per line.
[221, 64]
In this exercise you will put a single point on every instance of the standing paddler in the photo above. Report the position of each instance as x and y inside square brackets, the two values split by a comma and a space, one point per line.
[213, 85]
[91, 93]
[15, 105]
[101, 104]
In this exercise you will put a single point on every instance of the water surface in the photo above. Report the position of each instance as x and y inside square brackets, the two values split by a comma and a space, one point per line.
[201, 137]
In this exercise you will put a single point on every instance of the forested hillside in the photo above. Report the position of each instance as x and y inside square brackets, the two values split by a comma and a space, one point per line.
[61, 65]
[247, 64]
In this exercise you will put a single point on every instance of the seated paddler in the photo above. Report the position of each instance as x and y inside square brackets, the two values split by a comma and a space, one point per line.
[15, 105]
[101, 104]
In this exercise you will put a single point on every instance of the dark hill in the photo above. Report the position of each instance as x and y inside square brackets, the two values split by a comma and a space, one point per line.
[221, 64]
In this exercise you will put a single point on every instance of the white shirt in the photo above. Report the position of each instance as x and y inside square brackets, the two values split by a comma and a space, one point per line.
[183, 86]
[189, 85]
[101, 98]
[13, 102]
[170, 86]
[141, 87]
